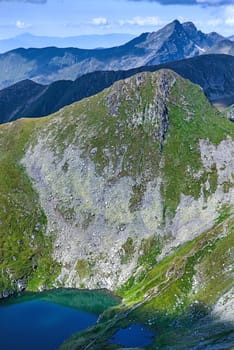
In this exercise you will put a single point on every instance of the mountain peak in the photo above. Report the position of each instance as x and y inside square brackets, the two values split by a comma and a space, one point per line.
[176, 22]
[189, 26]
[174, 25]
[108, 150]
[131, 93]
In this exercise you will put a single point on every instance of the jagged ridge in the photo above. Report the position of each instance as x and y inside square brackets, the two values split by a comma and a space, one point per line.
[175, 41]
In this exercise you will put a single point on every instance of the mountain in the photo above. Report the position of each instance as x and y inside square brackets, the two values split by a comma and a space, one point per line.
[131, 190]
[223, 47]
[29, 99]
[175, 41]
[28, 40]
[203, 71]
[15, 99]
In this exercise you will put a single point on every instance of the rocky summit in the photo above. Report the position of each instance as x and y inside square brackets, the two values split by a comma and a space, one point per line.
[129, 190]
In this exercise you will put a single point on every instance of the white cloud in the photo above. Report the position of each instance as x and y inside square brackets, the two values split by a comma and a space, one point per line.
[230, 21]
[214, 22]
[22, 25]
[229, 15]
[142, 21]
[99, 21]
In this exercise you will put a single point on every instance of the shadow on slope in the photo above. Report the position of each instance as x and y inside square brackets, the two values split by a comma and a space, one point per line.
[29, 99]
[194, 329]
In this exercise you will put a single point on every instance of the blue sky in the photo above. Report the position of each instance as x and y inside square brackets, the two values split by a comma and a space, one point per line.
[76, 17]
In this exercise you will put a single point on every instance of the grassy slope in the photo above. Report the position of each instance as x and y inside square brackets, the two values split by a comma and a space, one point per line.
[164, 300]
[191, 118]
[25, 251]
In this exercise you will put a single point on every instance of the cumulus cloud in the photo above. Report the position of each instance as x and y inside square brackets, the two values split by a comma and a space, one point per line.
[229, 16]
[141, 21]
[99, 21]
[192, 2]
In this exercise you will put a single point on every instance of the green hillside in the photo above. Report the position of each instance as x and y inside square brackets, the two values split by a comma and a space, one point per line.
[129, 190]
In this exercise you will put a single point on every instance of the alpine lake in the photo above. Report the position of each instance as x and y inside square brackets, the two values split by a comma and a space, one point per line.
[45, 320]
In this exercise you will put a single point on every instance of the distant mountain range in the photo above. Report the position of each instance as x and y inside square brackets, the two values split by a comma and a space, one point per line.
[28, 40]
[225, 47]
[174, 42]
[30, 99]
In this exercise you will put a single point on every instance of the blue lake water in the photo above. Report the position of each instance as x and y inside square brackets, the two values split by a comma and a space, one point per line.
[135, 335]
[44, 322]
[37, 325]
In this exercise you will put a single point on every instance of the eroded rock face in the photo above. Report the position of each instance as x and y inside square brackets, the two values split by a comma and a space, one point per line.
[196, 216]
[100, 200]
[224, 308]
[90, 217]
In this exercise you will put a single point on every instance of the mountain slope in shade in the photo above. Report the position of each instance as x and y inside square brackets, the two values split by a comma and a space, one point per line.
[173, 42]
[223, 47]
[131, 190]
[15, 100]
[29, 99]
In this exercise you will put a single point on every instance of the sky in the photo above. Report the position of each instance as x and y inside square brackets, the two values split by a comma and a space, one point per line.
[78, 17]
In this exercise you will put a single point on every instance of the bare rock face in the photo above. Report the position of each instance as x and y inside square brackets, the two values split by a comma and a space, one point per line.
[224, 308]
[97, 234]
[196, 216]
[98, 169]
